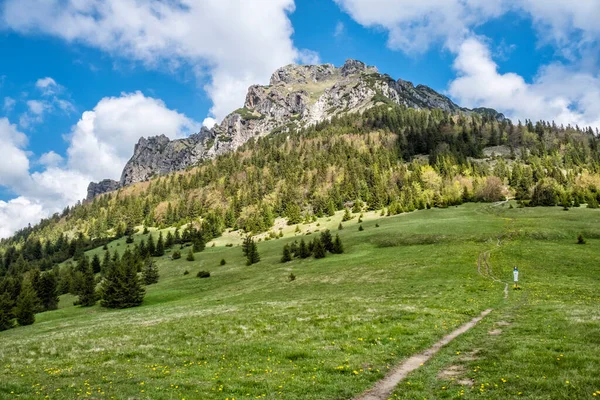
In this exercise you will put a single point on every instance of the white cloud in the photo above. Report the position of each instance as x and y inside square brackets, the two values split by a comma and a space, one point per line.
[209, 122]
[51, 159]
[99, 146]
[17, 213]
[566, 93]
[14, 163]
[237, 43]
[557, 93]
[9, 104]
[48, 86]
[103, 139]
[38, 107]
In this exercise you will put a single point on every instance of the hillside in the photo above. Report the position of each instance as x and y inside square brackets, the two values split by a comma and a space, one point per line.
[297, 97]
[345, 320]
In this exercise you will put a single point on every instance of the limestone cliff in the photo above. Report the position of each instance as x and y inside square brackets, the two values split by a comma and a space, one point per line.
[297, 96]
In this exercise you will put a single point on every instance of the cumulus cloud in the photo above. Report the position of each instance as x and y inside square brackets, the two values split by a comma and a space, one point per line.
[557, 93]
[209, 122]
[48, 103]
[566, 93]
[103, 139]
[236, 43]
[99, 146]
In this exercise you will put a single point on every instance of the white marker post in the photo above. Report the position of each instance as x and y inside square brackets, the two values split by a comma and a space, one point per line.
[516, 277]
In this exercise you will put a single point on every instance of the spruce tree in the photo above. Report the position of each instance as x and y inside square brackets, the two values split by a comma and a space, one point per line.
[47, 291]
[347, 216]
[338, 248]
[27, 303]
[121, 287]
[318, 248]
[160, 246]
[96, 265]
[150, 272]
[6, 312]
[190, 255]
[150, 246]
[287, 254]
[105, 262]
[303, 250]
[327, 240]
[170, 240]
[87, 295]
[251, 251]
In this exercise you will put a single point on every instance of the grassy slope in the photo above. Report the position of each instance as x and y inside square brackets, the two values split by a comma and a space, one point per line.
[248, 332]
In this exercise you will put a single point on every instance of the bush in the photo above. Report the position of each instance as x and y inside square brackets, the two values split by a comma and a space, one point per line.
[580, 239]
[291, 277]
[360, 228]
[186, 272]
[190, 256]
[203, 274]
[223, 262]
[176, 255]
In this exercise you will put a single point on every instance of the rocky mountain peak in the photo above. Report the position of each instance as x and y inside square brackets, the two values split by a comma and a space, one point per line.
[297, 96]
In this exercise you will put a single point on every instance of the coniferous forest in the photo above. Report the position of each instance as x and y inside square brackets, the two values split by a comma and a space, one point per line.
[389, 158]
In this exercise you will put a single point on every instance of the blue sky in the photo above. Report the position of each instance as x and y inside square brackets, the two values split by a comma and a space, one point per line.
[81, 81]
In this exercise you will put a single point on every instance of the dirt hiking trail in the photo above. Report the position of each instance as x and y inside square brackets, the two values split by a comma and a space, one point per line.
[384, 388]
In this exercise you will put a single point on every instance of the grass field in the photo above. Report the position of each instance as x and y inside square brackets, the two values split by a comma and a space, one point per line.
[249, 332]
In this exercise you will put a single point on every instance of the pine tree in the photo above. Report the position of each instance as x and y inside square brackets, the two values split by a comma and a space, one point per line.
[340, 227]
[96, 265]
[318, 248]
[150, 246]
[121, 287]
[347, 216]
[287, 254]
[87, 295]
[190, 256]
[338, 248]
[360, 228]
[327, 240]
[303, 250]
[47, 291]
[150, 272]
[27, 303]
[223, 262]
[170, 240]
[6, 312]
[105, 262]
[251, 251]
[160, 246]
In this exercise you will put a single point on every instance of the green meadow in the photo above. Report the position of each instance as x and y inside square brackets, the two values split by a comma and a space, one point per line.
[402, 284]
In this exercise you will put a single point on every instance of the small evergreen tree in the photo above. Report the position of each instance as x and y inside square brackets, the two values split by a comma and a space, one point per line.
[176, 255]
[303, 250]
[96, 264]
[27, 303]
[287, 254]
[150, 246]
[190, 255]
[160, 246]
[338, 248]
[580, 239]
[360, 228]
[105, 262]
[340, 227]
[347, 216]
[47, 291]
[6, 312]
[318, 248]
[129, 239]
[170, 240]
[150, 272]
[251, 250]
[327, 240]
[223, 262]
[86, 292]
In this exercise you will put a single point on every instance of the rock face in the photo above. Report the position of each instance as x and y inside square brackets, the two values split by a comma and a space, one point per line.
[107, 185]
[297, 96]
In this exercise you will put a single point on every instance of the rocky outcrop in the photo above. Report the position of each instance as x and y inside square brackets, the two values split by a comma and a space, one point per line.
[159, 155]
[105, 186]
[297, 96]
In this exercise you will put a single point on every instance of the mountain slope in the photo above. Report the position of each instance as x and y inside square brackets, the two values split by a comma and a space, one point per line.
[297, 96]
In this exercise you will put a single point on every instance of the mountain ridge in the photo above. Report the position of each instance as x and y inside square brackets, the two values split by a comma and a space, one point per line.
[297, 96]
